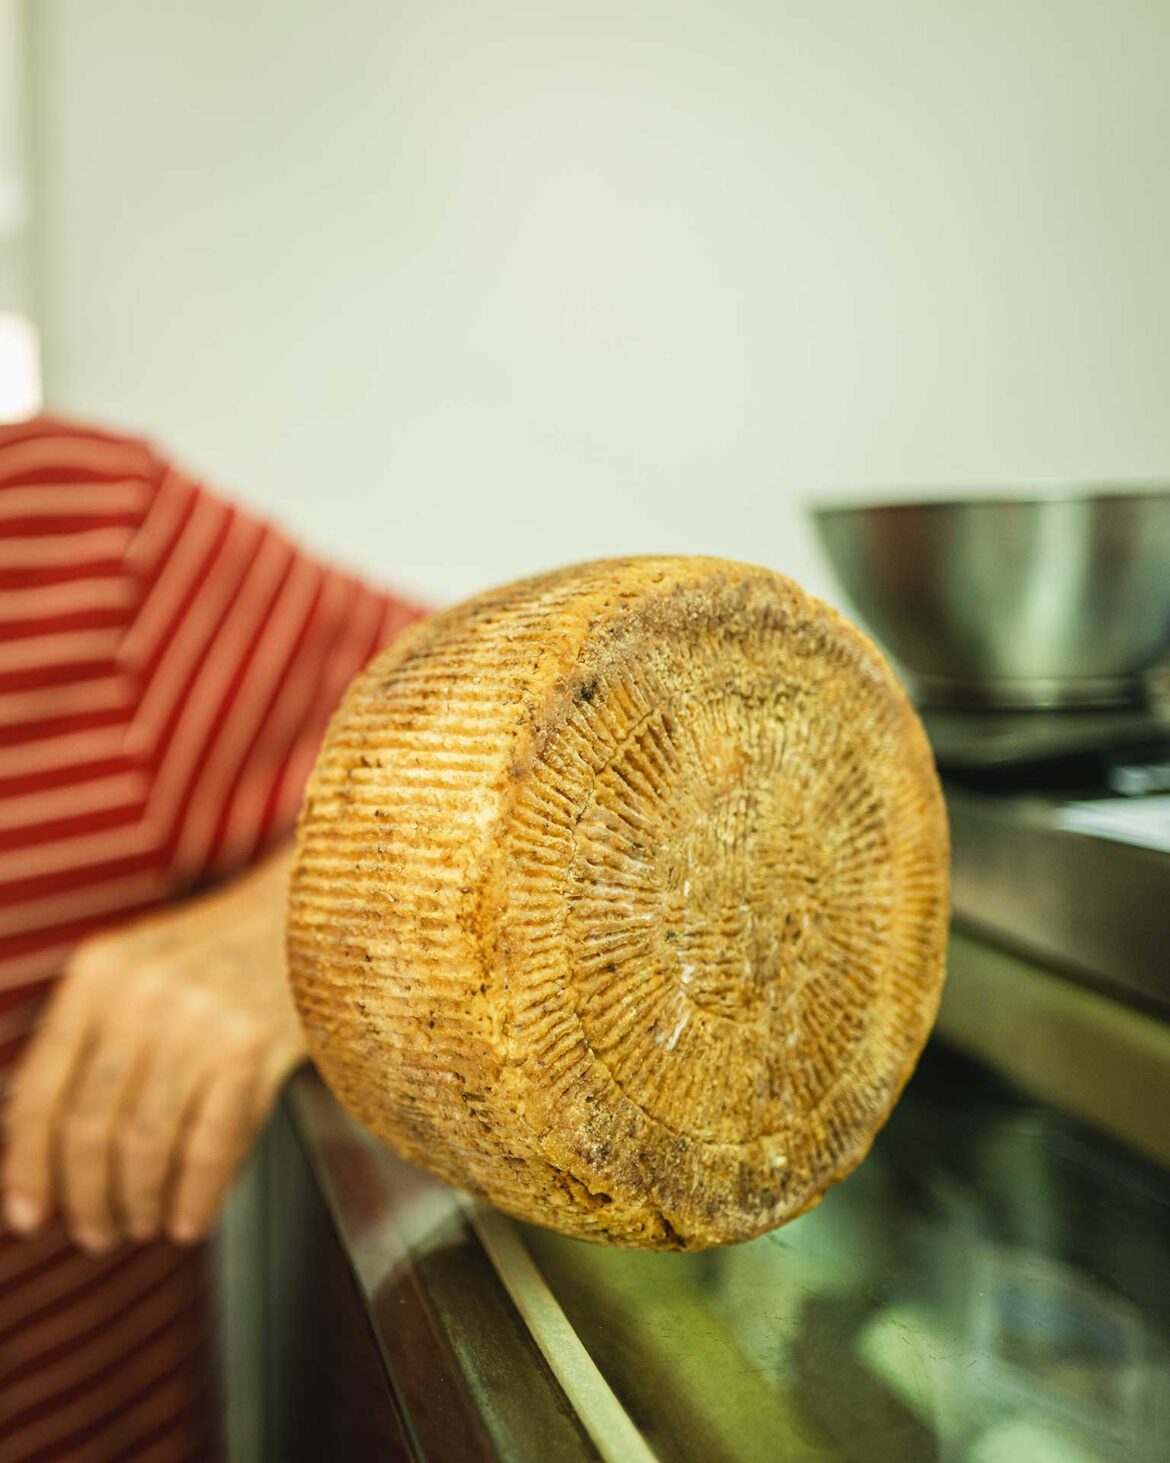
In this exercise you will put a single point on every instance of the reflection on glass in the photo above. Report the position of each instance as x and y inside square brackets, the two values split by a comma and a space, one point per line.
[992, 1285]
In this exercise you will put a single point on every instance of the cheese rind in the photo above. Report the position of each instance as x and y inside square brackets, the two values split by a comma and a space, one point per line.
[621, 899]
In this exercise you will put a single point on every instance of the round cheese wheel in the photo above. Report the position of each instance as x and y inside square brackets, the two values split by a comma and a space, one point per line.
[621, 899]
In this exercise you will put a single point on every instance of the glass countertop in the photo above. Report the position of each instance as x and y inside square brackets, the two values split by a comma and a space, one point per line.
[991, 1286]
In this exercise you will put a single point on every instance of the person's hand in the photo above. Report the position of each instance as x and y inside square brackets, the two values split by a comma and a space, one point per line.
[158, 1060]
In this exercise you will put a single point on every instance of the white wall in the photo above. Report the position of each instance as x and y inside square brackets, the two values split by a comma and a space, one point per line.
[13, 190]
[19, 369]
[459, 290]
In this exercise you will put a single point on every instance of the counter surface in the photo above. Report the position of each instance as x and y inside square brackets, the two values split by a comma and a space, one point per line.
[993, 1283]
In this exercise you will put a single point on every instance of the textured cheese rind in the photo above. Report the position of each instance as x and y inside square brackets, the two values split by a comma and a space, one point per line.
[621, 899]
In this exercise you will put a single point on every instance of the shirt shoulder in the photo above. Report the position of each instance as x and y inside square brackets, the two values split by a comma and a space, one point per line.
[46, 452]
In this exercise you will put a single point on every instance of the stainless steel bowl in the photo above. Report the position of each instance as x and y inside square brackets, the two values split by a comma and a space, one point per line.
[1044, 601]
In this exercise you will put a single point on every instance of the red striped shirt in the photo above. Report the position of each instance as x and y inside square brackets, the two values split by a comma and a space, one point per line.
[168, 664]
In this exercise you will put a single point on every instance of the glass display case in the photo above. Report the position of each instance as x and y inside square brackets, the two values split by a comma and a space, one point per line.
[992, 1285]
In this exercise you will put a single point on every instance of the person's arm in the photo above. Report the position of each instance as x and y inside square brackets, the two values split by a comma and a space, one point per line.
[157, 1064]
[224, 649]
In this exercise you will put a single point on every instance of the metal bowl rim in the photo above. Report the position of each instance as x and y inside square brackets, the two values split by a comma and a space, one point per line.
[1088, 495]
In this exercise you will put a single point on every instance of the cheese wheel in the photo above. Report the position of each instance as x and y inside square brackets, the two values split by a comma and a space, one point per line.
[621, 899]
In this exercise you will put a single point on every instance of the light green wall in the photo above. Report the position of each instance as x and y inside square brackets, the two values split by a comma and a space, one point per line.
[14, 211]
[462, 289]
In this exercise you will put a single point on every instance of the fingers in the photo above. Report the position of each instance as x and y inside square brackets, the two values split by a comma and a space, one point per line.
[154, 1067]
[88, 1133]
[234, 1109]
[41, 1087]
[145, 1125]
[151, 1133]
[219, 1135]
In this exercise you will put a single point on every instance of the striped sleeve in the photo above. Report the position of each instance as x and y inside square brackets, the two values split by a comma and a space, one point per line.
[168, 663]
[239, 650]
